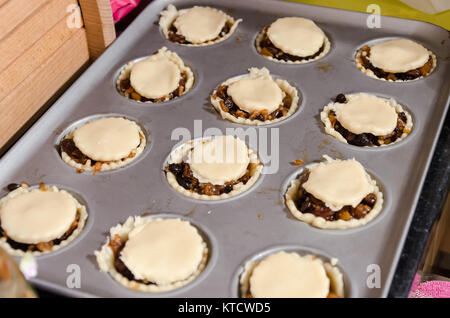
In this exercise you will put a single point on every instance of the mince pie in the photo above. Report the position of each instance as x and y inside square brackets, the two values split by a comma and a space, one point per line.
[290, 275]
[255, 99]
[292, 40]
[366, 120]
[153, 254]
[196, 26]
[397, 60]
[103, 144]
[39, 220]
[213, 168]
[155, 79]
[335, 194]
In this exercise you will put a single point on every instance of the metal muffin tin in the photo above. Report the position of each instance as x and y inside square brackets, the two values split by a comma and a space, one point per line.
[258, 221]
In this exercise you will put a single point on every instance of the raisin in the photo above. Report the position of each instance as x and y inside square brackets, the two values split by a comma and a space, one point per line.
[69, 147]
[379, 72]
[276, 113]
[340, 99]
[13, 186]
[185, 183]
[176, 168]
[306, 206]
[260, 117]
[414, 73]
[360, 211]
[122, 268]
[373, 139]
[361, 140]
[228, 102]
[174, 37]
[228, 188]
[125, 84]
[350, 137]
[402, 117]
[370, 199]
[323, 212]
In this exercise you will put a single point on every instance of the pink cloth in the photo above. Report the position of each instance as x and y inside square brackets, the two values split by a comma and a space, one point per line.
[121, 8]
[430, 289]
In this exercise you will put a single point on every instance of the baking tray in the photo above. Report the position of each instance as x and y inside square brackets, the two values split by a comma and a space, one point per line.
[258, 221]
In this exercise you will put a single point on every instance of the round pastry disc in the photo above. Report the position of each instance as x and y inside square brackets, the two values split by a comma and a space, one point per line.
[219, 160]
[163, 251]
[296, 36]
[38, 216]
[155, 78]
[256, 94]
[107, 139]
[367, 114]
[398, 56]
[200, 24]
[289, 275]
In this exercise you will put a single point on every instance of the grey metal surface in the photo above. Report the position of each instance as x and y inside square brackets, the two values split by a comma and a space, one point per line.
[235, 231]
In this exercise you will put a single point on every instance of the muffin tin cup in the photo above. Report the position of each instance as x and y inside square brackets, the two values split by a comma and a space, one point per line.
[258, 220]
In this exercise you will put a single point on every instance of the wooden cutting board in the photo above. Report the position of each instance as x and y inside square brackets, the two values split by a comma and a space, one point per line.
[43, 43]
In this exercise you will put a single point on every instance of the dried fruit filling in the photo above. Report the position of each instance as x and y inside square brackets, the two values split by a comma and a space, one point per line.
[186, 179]
[269, 49]
[178, 38]
[117, 244]
[368, 139]
[363, 58]
[126, 89]
[307, 203]
[227, 105]
[68, 146]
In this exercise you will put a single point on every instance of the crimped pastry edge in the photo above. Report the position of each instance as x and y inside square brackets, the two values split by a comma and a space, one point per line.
[81, 210]
[284, 86]
[169, 15]
[107, 165]
[332, 132]
[177, 156]
[171, 56]
[319, 222]
[333, 273]
[105, 259]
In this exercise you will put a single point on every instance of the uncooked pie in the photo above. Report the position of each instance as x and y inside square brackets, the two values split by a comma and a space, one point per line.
[255, 99]
[196, 26]
[153, 254]
[396, 60]
[366, 120]
[103, 144]
[158, 78]
[292, 40]
[213, 168]
[290, 275]
[39, 220]
[335, 194]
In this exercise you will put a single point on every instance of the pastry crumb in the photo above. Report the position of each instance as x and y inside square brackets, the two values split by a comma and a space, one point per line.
[298, 162]
[324, 67]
